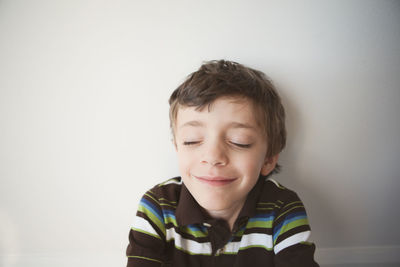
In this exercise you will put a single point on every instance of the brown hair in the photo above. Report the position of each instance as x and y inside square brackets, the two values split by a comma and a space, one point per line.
[219, 78]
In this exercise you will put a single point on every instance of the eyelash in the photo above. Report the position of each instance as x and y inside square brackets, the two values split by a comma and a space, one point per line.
[242, 145]
[235, 144]
[190, 143]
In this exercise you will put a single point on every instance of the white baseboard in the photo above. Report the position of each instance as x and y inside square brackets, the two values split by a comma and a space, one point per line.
[100, 259]
[384, 254]
[324, 256]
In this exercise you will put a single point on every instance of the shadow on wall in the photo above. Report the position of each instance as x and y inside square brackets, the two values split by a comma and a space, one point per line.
[297, 174]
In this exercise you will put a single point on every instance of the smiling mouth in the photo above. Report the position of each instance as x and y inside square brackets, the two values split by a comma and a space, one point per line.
[215, 180]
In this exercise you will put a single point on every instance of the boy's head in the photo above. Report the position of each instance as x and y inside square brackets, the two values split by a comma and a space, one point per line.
[228, 127]
[223, 78]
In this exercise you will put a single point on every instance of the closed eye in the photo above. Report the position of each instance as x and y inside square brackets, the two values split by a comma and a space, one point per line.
[188, 143]
[241, 145]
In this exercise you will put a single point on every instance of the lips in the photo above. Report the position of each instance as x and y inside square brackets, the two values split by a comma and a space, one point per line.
[215, 180]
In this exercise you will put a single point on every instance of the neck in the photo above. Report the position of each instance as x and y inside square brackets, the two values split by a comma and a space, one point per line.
[229, 215]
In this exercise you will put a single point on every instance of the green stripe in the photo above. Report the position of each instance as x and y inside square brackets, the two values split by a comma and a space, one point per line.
[268, 204]
[184, 229]
[292, 203]
[153, 218]
[292, 225]
[145, 258]
[154, 195]
[265, 208]
[170, 219]
[259, 224]
[240, 232]
[144, 232]
[168, 205]
[155, 200]
[256, 246]
[277, 218]
[193, 233]
[166, 200]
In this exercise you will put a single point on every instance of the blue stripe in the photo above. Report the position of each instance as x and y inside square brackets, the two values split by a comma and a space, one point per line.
[268, 218]
[195, 228]
[295, 214]
[290, 218]
[150, 207]
[170, 213]
[263, 215]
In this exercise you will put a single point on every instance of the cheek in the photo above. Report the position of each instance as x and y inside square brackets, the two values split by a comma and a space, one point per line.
[252, 167]
[185, 161]
[252, 164]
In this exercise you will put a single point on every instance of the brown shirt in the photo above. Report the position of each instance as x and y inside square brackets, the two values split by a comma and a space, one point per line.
[172, 230]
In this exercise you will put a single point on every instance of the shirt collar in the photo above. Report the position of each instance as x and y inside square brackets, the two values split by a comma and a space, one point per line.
[249, 207]
[188, 211]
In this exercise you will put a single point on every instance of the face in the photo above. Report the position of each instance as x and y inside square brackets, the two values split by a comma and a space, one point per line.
[221, 152]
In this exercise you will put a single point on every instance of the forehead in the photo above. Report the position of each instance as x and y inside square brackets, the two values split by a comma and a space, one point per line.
[237, 112]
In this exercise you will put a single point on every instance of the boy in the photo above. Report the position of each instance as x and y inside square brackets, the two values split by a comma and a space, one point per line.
[228, 129]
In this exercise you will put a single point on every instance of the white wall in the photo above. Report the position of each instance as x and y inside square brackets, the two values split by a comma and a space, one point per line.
[84, 116]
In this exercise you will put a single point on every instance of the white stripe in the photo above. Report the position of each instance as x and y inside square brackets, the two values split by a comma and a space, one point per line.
[272, 180]
[249, 240]
[192, 246]
[187, 244]
[232, 247]
[292, 240]
[172, 181]
[144, 225]
[256, 239]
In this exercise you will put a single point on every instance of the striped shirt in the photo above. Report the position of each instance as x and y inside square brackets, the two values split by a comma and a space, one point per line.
[170, 229]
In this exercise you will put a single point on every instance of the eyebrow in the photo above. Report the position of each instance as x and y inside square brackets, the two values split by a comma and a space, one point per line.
[230, 125]
[241, 125]
[192, 123]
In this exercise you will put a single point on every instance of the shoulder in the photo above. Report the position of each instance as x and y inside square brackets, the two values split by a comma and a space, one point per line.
[168, 190]
[275, 192]
[290, 226]
[155, 205]
[287, 209]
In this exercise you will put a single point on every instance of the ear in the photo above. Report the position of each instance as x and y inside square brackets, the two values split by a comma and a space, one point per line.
[269, 164]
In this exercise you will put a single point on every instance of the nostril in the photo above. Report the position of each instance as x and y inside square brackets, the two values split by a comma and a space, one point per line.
[214, 155]
[217, 163]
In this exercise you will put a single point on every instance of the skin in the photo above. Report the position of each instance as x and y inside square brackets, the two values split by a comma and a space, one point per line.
[221, 152]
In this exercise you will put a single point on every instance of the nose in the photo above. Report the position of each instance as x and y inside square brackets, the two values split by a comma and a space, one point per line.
[215, 155]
